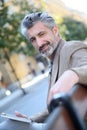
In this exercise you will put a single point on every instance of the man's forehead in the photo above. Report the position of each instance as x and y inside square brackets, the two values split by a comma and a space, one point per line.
[38, 24]
[38, 27]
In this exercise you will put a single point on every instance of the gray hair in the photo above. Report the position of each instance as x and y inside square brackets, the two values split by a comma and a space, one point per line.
[31, 19]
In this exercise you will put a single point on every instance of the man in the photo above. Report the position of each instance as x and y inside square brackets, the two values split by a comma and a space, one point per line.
[68, 59]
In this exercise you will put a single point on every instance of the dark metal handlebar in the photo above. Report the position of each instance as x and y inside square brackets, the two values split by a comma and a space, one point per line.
[66, 101]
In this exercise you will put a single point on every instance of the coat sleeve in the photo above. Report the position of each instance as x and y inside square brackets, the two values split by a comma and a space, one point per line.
[79, 65]
[40, 117]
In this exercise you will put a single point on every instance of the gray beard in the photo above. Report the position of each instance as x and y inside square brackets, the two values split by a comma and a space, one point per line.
[50, 51]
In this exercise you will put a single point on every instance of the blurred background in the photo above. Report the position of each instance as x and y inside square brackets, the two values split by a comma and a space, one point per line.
[19, 62]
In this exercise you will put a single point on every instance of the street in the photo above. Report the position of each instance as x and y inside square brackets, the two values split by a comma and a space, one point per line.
[32, 102]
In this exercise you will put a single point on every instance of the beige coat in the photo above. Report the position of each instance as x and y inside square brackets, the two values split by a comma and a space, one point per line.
[70, 55]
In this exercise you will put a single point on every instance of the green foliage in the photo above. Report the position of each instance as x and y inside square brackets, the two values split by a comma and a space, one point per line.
[27, 49]
[10, 19]
[72, 29]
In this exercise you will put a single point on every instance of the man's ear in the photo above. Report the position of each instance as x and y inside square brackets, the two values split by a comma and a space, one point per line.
[55, 30]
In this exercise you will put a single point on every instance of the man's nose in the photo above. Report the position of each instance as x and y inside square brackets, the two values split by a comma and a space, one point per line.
[39, 42]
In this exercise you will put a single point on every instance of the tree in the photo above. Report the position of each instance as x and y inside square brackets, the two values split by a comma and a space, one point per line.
[10, 37]
[72, 29]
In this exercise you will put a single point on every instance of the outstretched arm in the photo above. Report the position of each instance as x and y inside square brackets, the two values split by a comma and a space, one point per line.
[68, 79]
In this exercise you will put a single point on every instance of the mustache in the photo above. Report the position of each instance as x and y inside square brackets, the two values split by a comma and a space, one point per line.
[41, 47]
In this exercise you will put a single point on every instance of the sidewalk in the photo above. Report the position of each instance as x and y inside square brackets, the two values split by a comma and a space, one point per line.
[34, 81]
[19, 93]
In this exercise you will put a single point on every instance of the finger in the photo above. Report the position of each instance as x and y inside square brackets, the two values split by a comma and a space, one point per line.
[20, 114]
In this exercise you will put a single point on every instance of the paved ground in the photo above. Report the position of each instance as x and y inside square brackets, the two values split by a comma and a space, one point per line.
[32, 102]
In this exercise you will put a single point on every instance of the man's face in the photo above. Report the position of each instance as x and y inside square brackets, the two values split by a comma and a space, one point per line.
[43, 39]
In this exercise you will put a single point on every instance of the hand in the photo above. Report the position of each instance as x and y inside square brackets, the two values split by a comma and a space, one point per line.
[21, 115]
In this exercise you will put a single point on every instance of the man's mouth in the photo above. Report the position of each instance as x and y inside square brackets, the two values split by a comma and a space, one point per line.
[44, 47]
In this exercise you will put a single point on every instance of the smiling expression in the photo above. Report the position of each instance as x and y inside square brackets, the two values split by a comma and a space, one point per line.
[44, 39]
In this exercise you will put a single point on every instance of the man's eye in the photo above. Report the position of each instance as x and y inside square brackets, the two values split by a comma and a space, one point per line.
[41, 34]
[32, 39]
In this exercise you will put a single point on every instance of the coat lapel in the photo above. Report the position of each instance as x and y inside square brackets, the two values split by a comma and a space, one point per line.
[55, 65]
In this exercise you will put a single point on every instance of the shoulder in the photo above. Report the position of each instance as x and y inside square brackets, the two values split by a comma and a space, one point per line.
[74, 45]
[71, 47]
